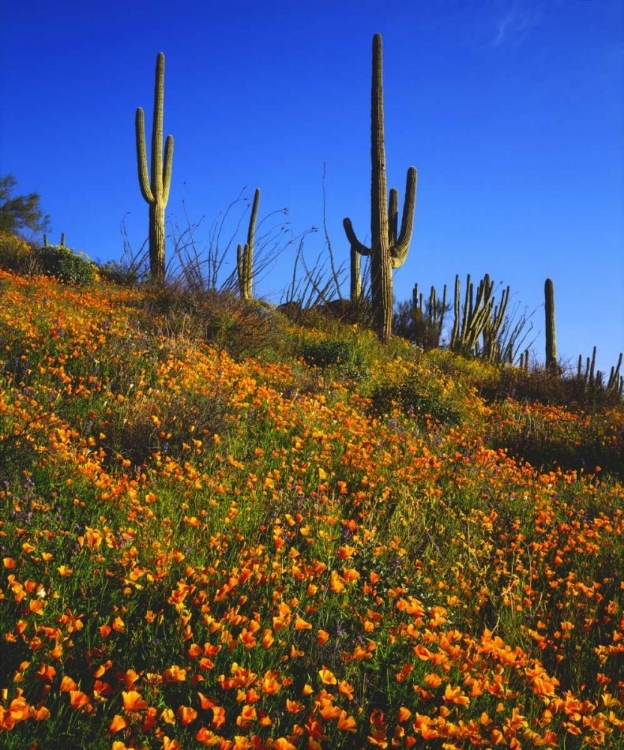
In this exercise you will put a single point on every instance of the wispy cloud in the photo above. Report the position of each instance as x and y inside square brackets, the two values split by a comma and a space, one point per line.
[514, 20]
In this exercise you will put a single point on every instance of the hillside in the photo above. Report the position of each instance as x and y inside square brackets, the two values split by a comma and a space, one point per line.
[224, 529]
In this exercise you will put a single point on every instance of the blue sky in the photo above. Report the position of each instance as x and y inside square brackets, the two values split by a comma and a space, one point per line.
[512, 111]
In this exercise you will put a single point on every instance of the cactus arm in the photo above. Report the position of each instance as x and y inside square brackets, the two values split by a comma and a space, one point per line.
[144, 183]
[353, 240]
[393, 216]
[167, 169]
[240, 268]
[252, 220]
[401, 246]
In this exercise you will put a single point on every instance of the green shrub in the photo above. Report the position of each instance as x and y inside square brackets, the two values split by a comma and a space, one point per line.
[341, 353]
[66, 265]
[325, 352]
[415, 398]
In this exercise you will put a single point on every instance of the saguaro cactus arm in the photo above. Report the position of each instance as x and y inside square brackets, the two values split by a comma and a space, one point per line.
[399, 246]
[353, 240]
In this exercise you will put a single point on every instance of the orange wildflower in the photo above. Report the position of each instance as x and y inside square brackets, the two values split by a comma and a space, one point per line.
[322, 636]
[67, 684]
[186, 714]
[117, 724]
[301, 624]
[327, 677]
[455, 695]
[133, 701]
[78, 699]
[346, 723]
[174, 674]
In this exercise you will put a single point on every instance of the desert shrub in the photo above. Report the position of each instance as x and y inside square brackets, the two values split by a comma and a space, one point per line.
[550, 388]
[123, 274]
[325, 352]
[551, 437]
[66, 265]
[344, 354]
[411, 324]
[242, 328]
[417, 398]
[16, 254]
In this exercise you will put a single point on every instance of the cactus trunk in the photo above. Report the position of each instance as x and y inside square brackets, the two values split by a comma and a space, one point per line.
[389, 248]
[156, 192]
[551, 337]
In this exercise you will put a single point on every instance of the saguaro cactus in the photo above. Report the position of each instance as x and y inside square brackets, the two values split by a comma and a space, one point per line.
[551, 338]
[156, 192]
[388, 249]
[244, 255]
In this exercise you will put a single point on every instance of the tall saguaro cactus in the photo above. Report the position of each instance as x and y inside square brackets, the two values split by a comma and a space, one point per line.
[551, 337]
[244, 254]
[389, 248]
[156, 191]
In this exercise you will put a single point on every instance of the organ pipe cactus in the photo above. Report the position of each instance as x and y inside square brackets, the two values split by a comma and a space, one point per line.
[551, 337]
[156, 191]
[428, 317]
[388, 249]
[479, 318]
[244, 254]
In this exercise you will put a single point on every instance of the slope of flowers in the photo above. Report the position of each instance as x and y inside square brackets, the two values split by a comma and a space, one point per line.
[198, 552]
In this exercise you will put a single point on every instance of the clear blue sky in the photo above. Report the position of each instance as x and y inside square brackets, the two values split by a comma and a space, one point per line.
[512, 111]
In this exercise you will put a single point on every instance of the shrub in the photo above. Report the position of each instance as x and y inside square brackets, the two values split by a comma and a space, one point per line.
[123, 274]
[325, 352]
[415, 398]
[16, 254]
[66, 265]
[243, 328]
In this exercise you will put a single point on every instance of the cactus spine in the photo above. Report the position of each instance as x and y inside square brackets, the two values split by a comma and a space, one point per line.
[551, 338]
[244, 254]
[388, 248]
[156, 192]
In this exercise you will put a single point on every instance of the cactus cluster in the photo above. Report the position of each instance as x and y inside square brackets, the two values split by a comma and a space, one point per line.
[389, 247]
[155, 191]
[595, 378]
[480, 318]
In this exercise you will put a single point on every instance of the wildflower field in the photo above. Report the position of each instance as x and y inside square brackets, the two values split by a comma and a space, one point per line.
[328, 544]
